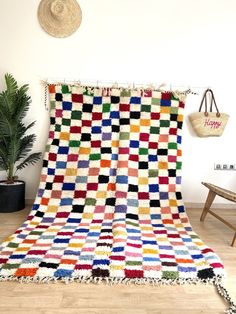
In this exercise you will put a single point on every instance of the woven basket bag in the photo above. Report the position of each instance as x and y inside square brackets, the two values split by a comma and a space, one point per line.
[208, 123]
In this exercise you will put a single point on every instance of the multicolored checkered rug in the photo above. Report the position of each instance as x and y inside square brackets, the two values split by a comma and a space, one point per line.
[109, 205]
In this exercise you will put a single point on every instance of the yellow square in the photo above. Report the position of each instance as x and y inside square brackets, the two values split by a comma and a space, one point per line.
[144, 210]
[87, 215]
[71, 172]
[142, 180]
[52, 209]
[101, 194]
[64, 136]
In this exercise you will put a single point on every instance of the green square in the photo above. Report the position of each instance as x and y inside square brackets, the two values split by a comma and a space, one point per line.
[106, 107]
[90, 201]
[154, 130]
[36, 232]
[95, 157]
[124, 136]
[170, 274]
[11, 266]
[12, 244]
[58, 128]
[146, 108]
[178, 165]
[47, 149]
[52, 104]
[164, 123]
[74, 143]
[125, 93]
[156, 101]
[65, 89]
[172, 145]
[152, 173]
[76, 115]
[174, 110]
[66, 122]
[143, 151]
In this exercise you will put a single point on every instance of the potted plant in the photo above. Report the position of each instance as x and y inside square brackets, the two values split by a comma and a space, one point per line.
[15, 144]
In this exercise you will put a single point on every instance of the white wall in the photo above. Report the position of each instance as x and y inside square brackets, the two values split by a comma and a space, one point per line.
[182, 42]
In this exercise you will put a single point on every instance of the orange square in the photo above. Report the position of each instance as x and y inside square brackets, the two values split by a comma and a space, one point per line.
[84, 150]
[26, 272]
[105, 163]
[115, 144]
[68, 261]
[180, 117]
[173, 202]
[162, 165]
[44, 201]
[179, 152]
[111, 187]
[145, 122]
[51, 88]
[134, 128]
[165, 109]
[65, 136]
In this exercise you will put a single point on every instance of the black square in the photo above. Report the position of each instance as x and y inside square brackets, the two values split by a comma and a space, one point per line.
[179, 124]
[45, 163]
[154, 203]
[172, 173]
[85, 137]
[124, 121]
[55, 142]
[115, 128]
[111, 201]
[103, 179]
[135, 115]
[173, 117]
[58, 97]
[143, 165]
[48, 186]
[133, 188]
[78, 209]
[87, 108]
[39, 214]
[178, 196]
[162, 152]
[106, 150]
[52, 120]
[115, 99]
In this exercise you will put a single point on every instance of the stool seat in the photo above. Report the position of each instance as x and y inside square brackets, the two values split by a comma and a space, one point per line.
[213, 191]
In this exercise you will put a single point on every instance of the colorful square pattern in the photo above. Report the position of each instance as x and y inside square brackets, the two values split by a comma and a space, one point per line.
[109, 204]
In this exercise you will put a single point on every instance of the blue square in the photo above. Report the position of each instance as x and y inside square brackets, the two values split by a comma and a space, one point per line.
[165, 103]
[122, 179]
[134, 144]
[63, 150]
[97, 100]
[68, 187]
[153, 188]
[135, 100]
[106, 122]
[61, 165]
[152, 158]
[66, 105]
[96, 130]
[51, 171]
[114, 115]
[66, 201]
[179, 139]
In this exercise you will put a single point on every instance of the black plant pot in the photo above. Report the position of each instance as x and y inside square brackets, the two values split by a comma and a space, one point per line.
[12, 197]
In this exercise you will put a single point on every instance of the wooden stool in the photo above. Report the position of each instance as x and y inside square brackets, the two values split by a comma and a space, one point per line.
[213, 191]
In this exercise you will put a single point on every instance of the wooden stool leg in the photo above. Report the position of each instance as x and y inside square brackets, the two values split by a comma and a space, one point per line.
[210, 198]
[234, 240]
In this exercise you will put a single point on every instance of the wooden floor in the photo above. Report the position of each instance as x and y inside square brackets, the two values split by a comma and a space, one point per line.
[102, 299]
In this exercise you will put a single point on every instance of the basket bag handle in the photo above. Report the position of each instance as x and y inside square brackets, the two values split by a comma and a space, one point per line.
[213, 102]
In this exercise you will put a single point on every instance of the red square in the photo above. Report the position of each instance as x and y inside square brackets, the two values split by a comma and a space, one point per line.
[163, 180]
[58, 179]
[77, 98]
[144, 137]
[173, 131]
[133, 157]
[143, 195]
[166, 96]
[52, 156]
[80, 194]
[153, 145]
[96, 143]
[92, 186]
[75, 129]
[155, 116]
[58, 113]
[124, 107]
[97, 116]
[72, 157]
[86, 123]
[123, 150]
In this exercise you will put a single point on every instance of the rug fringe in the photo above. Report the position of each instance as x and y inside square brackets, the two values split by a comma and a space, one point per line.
[225, 294]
